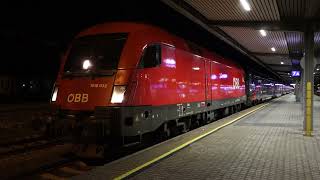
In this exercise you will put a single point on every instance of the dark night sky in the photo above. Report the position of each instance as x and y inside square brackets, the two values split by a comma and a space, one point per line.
[33, 34]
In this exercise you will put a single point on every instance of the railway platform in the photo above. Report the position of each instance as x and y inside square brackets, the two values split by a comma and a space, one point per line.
[263, 142]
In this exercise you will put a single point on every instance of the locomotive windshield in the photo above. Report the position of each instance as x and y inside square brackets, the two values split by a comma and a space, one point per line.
[96, 54]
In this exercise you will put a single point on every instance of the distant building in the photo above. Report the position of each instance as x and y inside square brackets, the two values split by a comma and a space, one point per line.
[34, 89]
[8, 85]
[15, 88]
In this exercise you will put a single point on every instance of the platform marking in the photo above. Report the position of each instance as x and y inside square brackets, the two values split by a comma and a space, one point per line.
[184, 145]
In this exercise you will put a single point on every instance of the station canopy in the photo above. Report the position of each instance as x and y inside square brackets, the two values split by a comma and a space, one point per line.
[270, 31]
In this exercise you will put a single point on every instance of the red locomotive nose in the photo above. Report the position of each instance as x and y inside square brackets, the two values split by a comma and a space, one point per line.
[89, 72]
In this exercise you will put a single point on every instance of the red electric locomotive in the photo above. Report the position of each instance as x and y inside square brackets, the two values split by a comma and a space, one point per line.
[119, 81]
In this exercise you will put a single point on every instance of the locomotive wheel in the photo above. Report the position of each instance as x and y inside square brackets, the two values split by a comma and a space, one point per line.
[186, 125]
[173, 131]
[169, 131]
[231, 110]
[195, 124]
[147, 138]
[254, 103]
[236, 108]
[163, 133]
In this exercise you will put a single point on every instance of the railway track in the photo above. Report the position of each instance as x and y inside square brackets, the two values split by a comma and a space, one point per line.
[61, 169]
[66, 170]
[26, 145]
[61, 166]
[67, 166]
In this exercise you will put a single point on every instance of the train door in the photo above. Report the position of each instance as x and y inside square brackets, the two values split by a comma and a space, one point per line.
[259, 84]
[225, 82]
[250, 88]
[147, 71]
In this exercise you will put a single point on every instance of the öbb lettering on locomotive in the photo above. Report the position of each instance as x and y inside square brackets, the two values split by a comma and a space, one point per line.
[78, 98]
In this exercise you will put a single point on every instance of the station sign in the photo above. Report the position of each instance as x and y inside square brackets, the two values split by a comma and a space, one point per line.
[295, 73]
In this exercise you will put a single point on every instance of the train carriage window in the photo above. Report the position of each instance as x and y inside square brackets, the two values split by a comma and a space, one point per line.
[151, 56]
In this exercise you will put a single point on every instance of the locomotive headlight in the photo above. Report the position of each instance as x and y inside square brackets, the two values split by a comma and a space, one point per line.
[54, 94]
[118, 94]
[86, 64]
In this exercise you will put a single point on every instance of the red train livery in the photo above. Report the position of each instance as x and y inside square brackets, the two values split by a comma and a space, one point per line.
[122, 80]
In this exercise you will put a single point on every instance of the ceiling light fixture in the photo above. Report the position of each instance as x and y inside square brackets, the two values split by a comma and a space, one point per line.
[263, 32]
[245, 5]
[273, 49]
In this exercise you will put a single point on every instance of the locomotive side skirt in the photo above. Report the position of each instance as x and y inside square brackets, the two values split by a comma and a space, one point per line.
[139, 120]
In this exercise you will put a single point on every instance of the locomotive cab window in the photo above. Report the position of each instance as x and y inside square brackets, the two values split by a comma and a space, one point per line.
[96, 53]
[151, 56]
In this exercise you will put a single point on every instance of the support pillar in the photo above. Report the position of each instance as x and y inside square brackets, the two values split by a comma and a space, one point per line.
[297, 90]
[308, 79]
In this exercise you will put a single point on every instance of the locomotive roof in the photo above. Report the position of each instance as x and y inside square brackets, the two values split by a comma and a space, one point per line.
[128, 27]
[121, 27]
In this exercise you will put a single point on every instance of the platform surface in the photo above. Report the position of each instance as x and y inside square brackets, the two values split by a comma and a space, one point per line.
[268, 144]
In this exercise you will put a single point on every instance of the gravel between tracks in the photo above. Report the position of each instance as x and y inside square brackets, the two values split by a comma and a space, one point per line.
[14, 165]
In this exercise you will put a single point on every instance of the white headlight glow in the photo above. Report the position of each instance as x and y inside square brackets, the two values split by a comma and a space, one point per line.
[54, 95]
[86, 64]
[118, 94]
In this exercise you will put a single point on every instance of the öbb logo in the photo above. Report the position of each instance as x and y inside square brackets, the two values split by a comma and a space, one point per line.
[78, 98]
[236, 83]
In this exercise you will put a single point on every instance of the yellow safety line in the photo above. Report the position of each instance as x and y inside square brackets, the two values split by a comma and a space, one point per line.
[184, 145]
